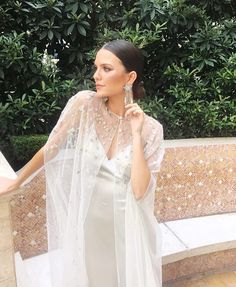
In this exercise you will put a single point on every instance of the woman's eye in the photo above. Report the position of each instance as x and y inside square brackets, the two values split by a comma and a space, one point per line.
[106, 69]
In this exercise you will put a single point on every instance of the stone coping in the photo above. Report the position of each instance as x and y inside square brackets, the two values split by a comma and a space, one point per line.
[197, 236]
[199, 142]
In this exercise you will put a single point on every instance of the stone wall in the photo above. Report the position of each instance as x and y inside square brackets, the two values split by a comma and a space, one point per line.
[196, 178]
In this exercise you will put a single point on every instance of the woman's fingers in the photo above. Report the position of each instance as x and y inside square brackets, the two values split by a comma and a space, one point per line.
[133, 109]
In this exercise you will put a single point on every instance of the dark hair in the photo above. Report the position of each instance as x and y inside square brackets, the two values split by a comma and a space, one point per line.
[132, 59]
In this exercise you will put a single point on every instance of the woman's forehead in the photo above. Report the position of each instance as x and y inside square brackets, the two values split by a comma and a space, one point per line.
[107, 57]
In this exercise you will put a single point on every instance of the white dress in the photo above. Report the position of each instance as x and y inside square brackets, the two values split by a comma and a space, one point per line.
[100, 252]
[102, 236]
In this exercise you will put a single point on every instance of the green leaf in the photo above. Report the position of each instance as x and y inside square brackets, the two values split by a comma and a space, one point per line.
[83, 7]
[81, 30]
[50, 34]
[57, 9]
[43, 85]
[70, 28]
[72, 7]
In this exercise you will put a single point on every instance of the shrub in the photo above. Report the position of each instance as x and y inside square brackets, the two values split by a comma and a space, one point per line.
[189, 48]
[24, 147]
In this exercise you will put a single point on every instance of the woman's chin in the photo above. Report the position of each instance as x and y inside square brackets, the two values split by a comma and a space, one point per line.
[100, 95]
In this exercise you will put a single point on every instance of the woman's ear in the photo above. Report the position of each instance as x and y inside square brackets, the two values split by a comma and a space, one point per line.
[132, 77]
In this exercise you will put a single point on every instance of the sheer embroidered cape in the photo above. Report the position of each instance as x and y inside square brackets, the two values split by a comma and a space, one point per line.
[74, 153]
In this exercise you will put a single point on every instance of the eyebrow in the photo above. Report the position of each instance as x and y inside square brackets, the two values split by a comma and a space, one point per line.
[103, 64]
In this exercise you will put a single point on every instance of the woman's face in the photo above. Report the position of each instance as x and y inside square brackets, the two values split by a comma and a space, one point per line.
[110, 75]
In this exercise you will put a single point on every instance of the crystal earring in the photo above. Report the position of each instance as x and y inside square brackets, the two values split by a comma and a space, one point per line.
[128, 94]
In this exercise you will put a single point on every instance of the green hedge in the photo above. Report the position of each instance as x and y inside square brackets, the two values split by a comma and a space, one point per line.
[24, 147]
[47, 50]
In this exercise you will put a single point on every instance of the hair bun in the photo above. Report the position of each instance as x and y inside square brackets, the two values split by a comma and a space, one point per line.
[140, 90]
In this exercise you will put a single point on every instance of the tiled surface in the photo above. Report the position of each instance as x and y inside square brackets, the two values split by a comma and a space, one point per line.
[29, 218]
[189, 267]
[196, 181]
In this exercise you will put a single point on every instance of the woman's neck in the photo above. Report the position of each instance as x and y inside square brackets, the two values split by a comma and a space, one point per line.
[116, 106]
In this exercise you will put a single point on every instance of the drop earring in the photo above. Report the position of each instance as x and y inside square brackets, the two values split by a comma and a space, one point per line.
[128, 94]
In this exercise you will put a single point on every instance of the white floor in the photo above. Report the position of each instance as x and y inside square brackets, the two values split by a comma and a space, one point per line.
[181, 239]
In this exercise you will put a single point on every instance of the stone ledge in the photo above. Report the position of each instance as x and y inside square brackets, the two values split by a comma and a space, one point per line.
[198, 142]
[191, 246]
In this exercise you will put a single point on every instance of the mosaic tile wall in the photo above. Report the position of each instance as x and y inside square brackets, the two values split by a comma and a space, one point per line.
[209, 263]
[193, 181]
[29, 218]
[196, 181]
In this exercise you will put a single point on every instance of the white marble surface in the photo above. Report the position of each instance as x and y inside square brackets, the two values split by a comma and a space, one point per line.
[33, 272]
[172, 247]
[23, 278]
[206, 234]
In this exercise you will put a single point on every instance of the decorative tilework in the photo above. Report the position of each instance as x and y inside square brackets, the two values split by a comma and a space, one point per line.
[209, 263]
[29, 218]
[203, 184]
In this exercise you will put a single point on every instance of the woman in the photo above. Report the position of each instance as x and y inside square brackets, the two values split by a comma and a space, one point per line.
[101, 162]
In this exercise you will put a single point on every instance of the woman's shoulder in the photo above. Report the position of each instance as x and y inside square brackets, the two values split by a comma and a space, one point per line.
[82, 97]
[152, 130]
[152, 124]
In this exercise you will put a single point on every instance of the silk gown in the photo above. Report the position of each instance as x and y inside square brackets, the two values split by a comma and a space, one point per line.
[99, 235]
[100, 250]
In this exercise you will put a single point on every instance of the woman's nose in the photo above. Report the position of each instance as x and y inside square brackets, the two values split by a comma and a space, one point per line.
[96, 75]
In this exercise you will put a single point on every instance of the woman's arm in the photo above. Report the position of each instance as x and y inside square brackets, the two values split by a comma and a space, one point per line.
[140, 173]
[8, 185]
[69, 118]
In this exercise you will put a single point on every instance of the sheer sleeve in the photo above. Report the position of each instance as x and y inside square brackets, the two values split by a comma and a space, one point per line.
[153, 144]
[153, 152]
[68, 123]
[143, 236]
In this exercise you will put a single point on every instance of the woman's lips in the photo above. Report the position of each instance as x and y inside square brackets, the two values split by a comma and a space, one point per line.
[99, 86]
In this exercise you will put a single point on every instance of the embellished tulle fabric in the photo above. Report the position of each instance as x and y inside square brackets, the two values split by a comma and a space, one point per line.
[79, 174]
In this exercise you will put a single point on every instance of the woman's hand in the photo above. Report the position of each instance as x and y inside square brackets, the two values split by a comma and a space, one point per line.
[136, 115]
[8, 185]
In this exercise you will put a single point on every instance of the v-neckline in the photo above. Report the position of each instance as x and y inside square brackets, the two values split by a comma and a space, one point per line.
[115, 155]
